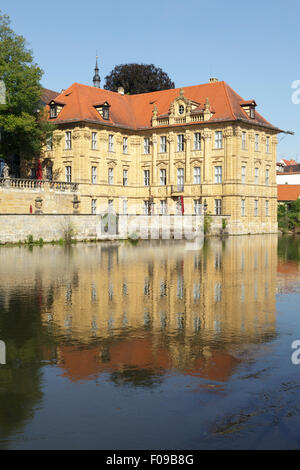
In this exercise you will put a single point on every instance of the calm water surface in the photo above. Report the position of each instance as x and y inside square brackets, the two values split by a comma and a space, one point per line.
[162, 345]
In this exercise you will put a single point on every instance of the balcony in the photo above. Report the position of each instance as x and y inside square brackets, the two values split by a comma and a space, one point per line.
[34, 184]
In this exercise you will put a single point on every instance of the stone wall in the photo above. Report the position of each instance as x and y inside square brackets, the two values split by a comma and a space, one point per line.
[242, 227]
[20, 200]
[17, 227]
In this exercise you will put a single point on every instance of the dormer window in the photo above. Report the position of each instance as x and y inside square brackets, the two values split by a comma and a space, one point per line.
[181, 109]
[249, 108]
[103, 110]
[53, 111]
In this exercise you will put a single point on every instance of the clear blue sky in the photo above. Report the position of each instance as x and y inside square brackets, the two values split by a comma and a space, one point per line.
[253, 46]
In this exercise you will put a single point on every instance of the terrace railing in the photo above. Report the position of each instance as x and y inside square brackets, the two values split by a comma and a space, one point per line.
[34, 184]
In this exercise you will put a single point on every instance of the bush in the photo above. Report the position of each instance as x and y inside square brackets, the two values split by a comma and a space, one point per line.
[69, 233]
[207, 224]
[29, 240]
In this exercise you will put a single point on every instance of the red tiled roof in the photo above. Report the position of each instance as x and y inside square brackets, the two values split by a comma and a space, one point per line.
[135, 111]
[289, 162]
[248, 102]
[288, 192]
[48, 95]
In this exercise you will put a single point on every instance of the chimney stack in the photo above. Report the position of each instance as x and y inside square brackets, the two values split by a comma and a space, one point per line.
[121, 90]
[213, 80]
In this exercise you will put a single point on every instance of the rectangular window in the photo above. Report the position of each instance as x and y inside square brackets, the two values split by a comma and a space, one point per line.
[163, 144]
[180, 178]
[255, 207]
[268, 144]
[125, 206]
[68, 174]
[68, 140]
[197, 175]
[146, 177]
[125, 177]
[218, 174]
[256, 142]
[146, 145]
[243, 207]
[94, 206]
[256, 175]
[94, 140]
[243, 174]
[110, 205]
[244, 140]
[163, 207]
[147, 207]
[218, 206]
[163, 177]
[180, 143]
[53, 111]
[267, 176]
[197, 206]
[110, 176]
[125, 145]
[267, 208]
[49, 173]
[110, 143]
[218, 139]
[49, 144]
[94, 174]
[197, 141]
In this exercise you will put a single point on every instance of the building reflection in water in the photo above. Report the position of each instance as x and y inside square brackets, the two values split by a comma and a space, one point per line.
[137, 312]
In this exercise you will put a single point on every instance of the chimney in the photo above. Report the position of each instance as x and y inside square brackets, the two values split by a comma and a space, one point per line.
[213, 80]
[121, 90]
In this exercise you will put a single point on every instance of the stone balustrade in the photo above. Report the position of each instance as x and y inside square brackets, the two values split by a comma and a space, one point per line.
[33, 184]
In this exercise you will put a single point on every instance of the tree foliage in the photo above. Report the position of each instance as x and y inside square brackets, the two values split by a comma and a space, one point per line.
[24, 128]
[289, 215]
[138, 78]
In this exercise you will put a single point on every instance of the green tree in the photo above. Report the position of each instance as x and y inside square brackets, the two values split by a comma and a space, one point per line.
[289, 215]
[23, 123]
[138, 78]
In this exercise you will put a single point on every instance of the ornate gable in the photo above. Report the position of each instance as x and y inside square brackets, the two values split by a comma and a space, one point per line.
[182, 110]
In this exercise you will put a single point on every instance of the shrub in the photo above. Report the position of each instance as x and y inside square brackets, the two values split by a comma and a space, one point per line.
[29, 240]
[207, 224]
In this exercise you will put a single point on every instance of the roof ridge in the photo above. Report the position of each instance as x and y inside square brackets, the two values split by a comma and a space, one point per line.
[78, 98]
[229, 102]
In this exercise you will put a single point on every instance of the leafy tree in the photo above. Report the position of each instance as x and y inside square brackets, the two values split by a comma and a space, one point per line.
[289, 215]
[138, 78]
[23, 124]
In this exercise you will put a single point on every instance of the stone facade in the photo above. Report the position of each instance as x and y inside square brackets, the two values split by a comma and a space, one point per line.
[227, 165]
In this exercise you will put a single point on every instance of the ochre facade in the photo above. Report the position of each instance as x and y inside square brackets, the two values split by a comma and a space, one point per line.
[193, 148]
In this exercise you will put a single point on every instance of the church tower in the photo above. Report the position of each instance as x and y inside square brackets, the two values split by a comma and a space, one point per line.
[96, 79]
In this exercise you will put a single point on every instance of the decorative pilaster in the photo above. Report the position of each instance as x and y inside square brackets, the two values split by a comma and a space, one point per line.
[206, 154]
[228, 151]
[171, 139]
[154, 160]
[187, 157]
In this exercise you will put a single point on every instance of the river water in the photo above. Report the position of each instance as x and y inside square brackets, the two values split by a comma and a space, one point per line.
[158, 345]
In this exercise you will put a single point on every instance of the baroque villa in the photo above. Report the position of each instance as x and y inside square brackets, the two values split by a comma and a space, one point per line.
[168, 152]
